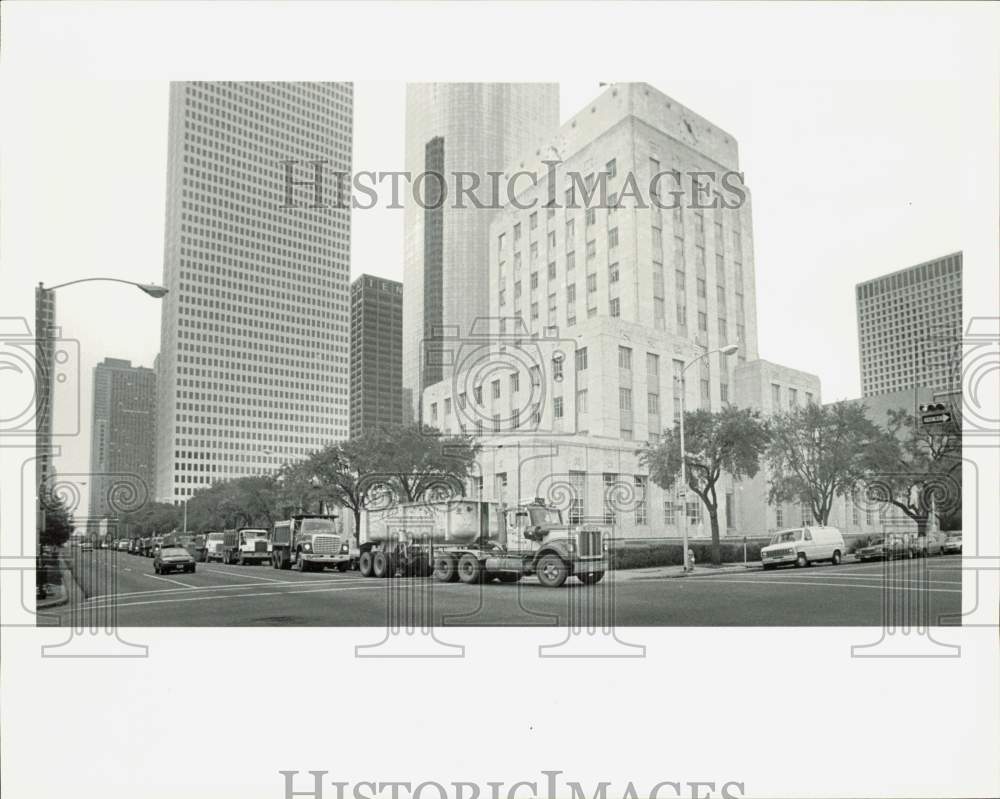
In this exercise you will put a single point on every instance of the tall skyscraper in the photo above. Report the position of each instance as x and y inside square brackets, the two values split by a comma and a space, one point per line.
[376, 353]
[254, 354]
[123, 432]
[475, 128]
[910, 328]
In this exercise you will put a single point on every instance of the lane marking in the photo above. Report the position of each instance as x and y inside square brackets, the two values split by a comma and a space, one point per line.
[884, 578]
[202, 588]
[238, 576]
[168, 580]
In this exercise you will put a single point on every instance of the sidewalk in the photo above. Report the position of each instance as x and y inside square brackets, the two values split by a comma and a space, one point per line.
[662, 572]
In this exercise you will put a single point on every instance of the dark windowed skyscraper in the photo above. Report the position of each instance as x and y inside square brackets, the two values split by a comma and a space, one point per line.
[376, 353]
[123, 434]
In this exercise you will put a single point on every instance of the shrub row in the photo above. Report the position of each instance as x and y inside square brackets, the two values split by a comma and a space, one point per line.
[646, 555]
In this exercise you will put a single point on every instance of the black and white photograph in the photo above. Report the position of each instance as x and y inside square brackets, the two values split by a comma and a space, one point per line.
[401, 349]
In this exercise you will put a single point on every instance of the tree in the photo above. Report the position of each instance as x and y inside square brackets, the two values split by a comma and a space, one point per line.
[730, 441]
[819, 452]
[243, 502]
[422, 460]
[918, 469]
[58, 523]
[153, 518]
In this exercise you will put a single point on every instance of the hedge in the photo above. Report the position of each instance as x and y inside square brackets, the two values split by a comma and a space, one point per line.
[641, 555]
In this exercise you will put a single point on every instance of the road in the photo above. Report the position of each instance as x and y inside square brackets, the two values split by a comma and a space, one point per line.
[122, 590]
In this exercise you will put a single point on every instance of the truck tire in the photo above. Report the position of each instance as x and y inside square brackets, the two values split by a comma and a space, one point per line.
[590, 578]
[445, 568]
[381, 565]
[551, 570]
[285, 560]
[240, 561]
[365, 563]
[470, 570]
[301, 564]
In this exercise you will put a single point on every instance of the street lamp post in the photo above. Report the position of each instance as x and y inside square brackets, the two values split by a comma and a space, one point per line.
[45, 358]
[729, 349]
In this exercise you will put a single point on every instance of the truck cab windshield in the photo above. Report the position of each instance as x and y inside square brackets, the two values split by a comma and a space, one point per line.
[544, 516]
[318, 526]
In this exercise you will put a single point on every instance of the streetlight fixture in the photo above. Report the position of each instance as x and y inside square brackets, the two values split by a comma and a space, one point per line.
[153, 290]
[729, 349]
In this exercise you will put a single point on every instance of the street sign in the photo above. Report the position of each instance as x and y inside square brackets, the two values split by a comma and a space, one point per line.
[935, 418]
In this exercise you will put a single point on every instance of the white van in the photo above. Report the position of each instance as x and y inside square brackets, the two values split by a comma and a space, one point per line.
[802, 546]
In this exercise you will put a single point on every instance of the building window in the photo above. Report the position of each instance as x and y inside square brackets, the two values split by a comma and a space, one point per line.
[779, 517]
[702, 321]
[610, 481]
[653, 404]
[515, 382]
[552, 271]
[625, 399]
[557, 407]
[591, 249]
[614, 308]
[570, 261]
[534, 310]
[461, 400]
[612, 238]
[793, 397]
[581, 359]
[533, 251]
[624, 357]
[578, 488]
[591, 216]
[702, 290]
[447, 406]
[694, 512]
[626, 433]
[477, 394]
[496, 389]
[517, 289]
[533, 220]
[640, 500]
[724, 393]
[517, 232]
[722, 331]
[496, 422]
[776, 396]
[434, 413]
[613, 273]
[591, 283]
[682, 315]
[534, 281]
[581, 401]
[705, 391]
[809, 398]
[552, 239]
[557, 368]
[536, 374]
[669, 512]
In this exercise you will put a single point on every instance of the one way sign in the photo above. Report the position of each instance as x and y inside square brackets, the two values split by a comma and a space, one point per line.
[935, 418]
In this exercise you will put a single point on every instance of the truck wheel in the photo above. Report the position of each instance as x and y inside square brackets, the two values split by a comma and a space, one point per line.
[300, 563]
[240, 561]
[381, 565]
[590, 578]
[469, 569]
[445, 568]
[551, 570]
[365, 563]
[286, 560]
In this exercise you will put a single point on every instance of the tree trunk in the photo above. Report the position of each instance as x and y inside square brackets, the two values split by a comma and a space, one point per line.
[357, 526]
[713, 515]
[921, 525]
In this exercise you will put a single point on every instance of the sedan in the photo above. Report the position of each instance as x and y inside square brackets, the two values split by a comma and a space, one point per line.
[952, 544]
[930, 544]
[169, 559]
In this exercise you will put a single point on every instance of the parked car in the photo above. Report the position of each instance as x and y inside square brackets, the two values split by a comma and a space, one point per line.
[86, 546]
[890, 546]
[952, 544]
[173, 559]
[122, 544]
[803, 546]
[930, 544]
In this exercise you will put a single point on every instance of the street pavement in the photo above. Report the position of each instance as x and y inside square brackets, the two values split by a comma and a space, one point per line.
[122, 590]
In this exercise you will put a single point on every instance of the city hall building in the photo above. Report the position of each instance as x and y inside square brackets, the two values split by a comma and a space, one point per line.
[595, 308]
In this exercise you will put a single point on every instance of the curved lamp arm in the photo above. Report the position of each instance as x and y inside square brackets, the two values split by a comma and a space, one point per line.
[157, 292]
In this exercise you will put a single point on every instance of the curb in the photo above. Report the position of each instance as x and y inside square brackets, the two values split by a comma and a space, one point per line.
[70, 588]
[655, 573]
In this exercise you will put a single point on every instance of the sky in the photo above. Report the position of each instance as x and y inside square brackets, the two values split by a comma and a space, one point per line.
[850, 177]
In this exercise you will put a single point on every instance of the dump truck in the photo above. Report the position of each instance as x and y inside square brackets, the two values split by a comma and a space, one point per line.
[476, 542]
[309, 542]
[245, 545]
